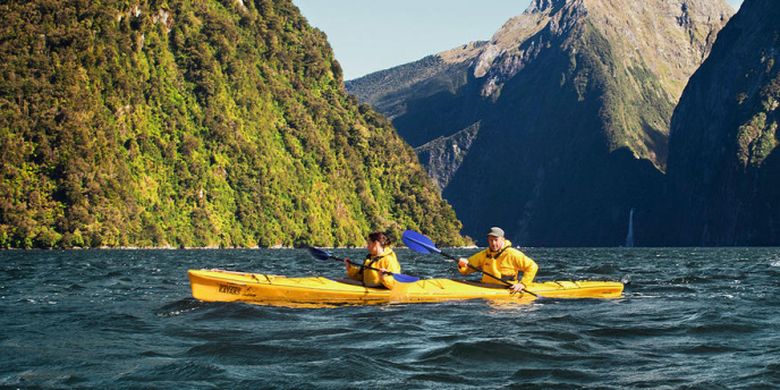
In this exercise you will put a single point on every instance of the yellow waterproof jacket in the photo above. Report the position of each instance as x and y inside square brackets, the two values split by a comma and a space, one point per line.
[371, 278]
[504, 264]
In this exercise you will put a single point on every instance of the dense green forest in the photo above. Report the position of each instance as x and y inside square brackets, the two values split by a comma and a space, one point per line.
[191, 124]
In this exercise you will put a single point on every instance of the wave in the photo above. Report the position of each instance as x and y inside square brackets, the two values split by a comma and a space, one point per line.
[186, 370]
[179, 307]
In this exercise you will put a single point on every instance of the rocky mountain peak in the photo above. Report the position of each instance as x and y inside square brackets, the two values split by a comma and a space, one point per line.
[672, 37]
[522, 38]
[549, 6]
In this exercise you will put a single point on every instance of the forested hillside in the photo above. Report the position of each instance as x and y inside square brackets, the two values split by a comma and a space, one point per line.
[203, 123]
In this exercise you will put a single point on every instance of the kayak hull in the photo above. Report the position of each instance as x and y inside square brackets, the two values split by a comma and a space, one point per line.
[277, 290]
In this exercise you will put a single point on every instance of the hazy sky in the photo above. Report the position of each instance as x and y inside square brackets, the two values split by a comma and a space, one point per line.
[370, 35]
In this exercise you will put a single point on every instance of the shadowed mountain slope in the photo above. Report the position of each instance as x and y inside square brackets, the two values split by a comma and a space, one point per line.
[724, 163]
[560, 121]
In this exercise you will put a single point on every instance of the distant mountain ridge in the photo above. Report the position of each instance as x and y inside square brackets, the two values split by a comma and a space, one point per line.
[193, 124]
[394, 83]
[573, 100]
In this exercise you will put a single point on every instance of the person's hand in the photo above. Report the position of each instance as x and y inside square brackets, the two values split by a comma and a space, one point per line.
[462, 262]
[384, 271]
[517, 287]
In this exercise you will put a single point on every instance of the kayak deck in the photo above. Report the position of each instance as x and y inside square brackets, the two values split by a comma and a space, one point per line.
[277, 290]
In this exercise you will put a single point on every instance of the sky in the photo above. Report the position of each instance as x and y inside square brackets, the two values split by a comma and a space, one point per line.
[371, 35]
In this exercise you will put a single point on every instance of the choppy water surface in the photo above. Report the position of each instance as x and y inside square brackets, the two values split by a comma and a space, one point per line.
[692, 318]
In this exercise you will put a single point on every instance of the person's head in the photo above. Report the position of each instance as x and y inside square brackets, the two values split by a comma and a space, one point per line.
[377, 242]
[495, 238]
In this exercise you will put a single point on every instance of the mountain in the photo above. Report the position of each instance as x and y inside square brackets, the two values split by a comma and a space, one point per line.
[560, 122]
[193, 123]
[724, 163]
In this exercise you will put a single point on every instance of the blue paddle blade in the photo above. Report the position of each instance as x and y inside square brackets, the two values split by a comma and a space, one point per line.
[405, 278]
[319, 254]
[419, 243]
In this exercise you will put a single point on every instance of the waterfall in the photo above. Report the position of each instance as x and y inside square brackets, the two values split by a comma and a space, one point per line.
[630, 234]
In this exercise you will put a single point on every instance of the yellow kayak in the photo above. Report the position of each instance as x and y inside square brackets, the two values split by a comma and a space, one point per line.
[276, 290]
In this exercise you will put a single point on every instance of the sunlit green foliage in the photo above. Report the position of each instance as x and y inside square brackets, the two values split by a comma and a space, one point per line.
[192, 123]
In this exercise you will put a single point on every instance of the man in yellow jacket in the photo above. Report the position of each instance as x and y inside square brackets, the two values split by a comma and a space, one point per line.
[380, 256]
[501, 261]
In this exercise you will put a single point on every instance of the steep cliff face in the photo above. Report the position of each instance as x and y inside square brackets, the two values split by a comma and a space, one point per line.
[444, 155]
[724, 164]
[573, 100]
[193, 123]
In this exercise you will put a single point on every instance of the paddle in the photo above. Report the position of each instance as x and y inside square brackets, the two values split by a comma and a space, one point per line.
[323, 255]
[422, 244]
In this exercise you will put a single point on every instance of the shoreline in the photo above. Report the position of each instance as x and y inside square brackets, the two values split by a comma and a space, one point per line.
[204, 248]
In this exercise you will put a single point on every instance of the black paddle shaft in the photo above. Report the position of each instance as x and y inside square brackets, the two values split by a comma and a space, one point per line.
[320, 254]
[489, 274]
[324, 255]
[360, 265]
[451, 257]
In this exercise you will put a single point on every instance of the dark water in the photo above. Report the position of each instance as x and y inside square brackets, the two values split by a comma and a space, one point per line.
[692, 318]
